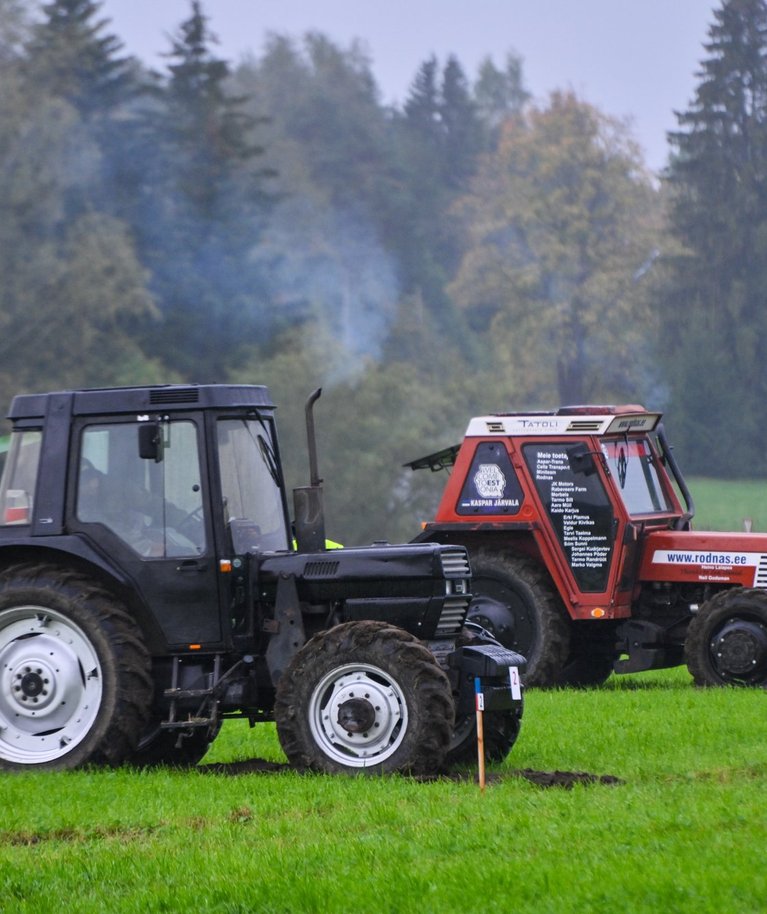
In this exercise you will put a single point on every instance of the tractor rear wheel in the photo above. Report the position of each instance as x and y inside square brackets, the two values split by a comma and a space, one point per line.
[365, 698]
[726, 640]
[530, 618]
[75, 685]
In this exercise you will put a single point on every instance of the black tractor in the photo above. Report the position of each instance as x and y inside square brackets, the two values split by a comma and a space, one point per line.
[153, 586]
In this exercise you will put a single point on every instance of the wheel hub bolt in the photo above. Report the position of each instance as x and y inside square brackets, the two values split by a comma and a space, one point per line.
[32, 683]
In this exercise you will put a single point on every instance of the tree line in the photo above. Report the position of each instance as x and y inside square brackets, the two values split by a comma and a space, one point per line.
[469, 250]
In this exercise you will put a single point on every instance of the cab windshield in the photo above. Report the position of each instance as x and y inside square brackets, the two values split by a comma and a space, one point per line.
[632, 463]
[251, 485]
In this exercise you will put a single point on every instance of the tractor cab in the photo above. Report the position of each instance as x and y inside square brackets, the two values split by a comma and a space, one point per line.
[164, 489]
[573, 488]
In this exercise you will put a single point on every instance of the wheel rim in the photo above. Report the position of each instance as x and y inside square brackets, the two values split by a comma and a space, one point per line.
[50, 685]
[463, 729]
[358, 715]
[739, 650]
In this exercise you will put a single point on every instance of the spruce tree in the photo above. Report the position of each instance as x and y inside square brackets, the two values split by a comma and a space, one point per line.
[71, 55]
[500, 94]
[208, 129]
[422, 105]
[714, 304]
[461, 127]
[204, 204]
[440, 138]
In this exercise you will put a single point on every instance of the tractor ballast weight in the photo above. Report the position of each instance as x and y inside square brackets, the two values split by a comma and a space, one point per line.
[578, 524]
[152, 586]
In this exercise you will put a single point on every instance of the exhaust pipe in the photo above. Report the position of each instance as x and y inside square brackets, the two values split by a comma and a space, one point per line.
[308, 505]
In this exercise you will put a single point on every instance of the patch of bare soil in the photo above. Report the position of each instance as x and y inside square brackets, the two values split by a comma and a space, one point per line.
[566, 779]
[563, 779]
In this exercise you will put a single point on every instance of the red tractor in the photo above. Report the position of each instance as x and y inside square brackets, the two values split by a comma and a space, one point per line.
[578, 526]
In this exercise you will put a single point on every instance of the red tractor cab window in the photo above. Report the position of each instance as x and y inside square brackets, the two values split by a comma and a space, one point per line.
[491, 485]
[632, 463]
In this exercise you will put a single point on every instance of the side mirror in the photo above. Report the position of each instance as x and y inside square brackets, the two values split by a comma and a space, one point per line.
[150, 441]
[581, 460]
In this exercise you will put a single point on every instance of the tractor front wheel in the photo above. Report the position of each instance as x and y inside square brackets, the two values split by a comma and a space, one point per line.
[501, 728]
[365, 698]
[726, 641]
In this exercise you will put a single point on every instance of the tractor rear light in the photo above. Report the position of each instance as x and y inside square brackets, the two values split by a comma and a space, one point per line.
[16, 507]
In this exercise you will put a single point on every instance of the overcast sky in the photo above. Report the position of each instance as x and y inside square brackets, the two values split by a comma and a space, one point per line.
[634, 59]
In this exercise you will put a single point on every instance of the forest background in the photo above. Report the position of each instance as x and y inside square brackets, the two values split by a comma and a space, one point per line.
[270, 221]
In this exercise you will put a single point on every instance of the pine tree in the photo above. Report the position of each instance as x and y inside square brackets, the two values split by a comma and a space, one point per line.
[208, 130]
[422, 106]
[500, 94]
[461, 127]
[714, 304]
[441, 137]
[203, 205]
[71, 56]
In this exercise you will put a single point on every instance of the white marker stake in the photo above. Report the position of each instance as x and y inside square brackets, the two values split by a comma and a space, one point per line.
[516, 685]
[480, 732]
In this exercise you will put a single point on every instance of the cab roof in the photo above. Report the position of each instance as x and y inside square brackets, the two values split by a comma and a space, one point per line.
[140, 400]
[568, 420]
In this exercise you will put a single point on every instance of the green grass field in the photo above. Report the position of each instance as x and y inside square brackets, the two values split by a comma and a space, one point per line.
[684, 829]
[725, 505]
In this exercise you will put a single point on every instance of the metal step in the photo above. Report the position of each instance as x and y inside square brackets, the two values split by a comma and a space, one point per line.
[187, 724]
[187, 693]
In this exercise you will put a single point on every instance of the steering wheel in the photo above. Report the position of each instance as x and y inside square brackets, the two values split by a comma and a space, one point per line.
[192, 525]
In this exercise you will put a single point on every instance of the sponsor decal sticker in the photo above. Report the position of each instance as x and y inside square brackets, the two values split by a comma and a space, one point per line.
[490, 481]
[491, 485]
[711, 559]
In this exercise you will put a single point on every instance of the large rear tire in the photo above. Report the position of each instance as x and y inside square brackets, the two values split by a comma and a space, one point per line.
[365, 698]
[75, 685]
[726, 641]
[531, 619]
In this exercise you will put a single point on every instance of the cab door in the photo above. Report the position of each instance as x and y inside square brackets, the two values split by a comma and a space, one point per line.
[150, 510]
[583, 527]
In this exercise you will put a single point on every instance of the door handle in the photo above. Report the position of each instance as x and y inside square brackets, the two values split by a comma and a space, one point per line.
[191, 565]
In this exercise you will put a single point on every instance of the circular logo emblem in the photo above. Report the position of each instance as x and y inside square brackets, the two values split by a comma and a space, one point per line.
[490, 481]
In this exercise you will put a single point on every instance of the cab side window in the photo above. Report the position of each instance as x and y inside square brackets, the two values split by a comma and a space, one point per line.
[17, 488]
[155, 507]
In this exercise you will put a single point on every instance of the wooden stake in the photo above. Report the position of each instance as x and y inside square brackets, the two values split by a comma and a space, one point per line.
[480, 698]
